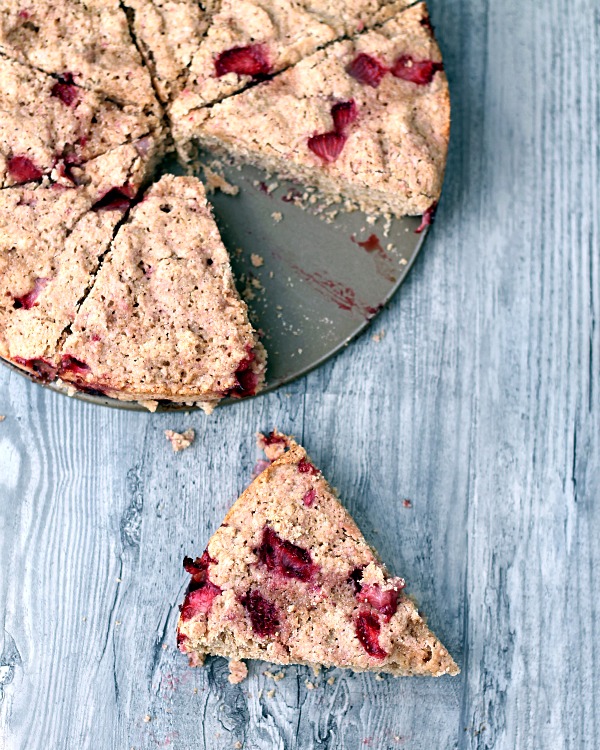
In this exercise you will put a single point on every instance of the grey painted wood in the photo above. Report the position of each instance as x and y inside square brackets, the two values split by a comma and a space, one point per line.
[481, 404]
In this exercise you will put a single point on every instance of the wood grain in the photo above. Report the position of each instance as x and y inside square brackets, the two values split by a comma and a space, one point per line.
[481, 404]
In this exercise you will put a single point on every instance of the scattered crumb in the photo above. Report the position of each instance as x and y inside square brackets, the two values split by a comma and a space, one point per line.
[238, 745]
[371, 219]
[180, 440]
[256, 283]
[256, 260]
[309, 685]
[117, 622]
[260, 694]
[165, 646]
[277, 216]
[150, 405]
[238, 671]
[279, 676]
[379, 678]
[215, 181]
[2, 417]
[316, 668]
[407, 503]
[195, 691]
[331, 681]
[270, 693]
[147, 718]
[378, 336]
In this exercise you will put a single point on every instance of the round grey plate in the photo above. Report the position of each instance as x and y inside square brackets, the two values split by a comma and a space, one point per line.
[313, 277]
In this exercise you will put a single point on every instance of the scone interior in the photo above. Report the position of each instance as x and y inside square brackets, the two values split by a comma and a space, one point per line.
[164, 319]
[289, 578]
[366, 119]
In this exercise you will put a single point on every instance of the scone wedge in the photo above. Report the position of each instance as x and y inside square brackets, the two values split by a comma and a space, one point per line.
[366, 118]
[289, 578]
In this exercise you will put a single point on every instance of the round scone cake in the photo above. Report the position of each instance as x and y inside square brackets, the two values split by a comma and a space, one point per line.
[114, 280]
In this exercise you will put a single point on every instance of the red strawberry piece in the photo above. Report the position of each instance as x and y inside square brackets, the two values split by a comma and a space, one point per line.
[427, 218]
[198, 568]
[116, 199]
[305, 467]
[27, 301]
[327, 146]
[309, 497]
[283, 557]
[367, 631]
[367, 70]
[250, 61]
[71, 364]
[343, 113]
[273, 438]
[66, 90]
[384, 601]
[420, 72]
[182, 639]
[199, 601]
[43, 369]
[426, 23]
[22, 169]
[247, 379]
[263, 613]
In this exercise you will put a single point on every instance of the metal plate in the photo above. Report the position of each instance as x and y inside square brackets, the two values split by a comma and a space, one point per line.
[324, 274]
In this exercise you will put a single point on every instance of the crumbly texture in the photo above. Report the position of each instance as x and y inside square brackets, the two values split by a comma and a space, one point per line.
[51, 125]
[168, 33]
[88, 39]
[283, 32]
[393, 149]
[289, 578]
[164, 320]
[180, 440]
[50, 245]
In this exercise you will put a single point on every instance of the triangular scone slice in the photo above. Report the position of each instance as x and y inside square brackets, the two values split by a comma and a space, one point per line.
[52, 241]
[367, 119]
[289, 578]
[86, 40]
[250, 39]
[49, 126]
[164, 320]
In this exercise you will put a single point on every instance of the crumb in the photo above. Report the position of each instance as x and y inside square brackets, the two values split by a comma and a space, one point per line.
[316, 668]
[279, 676]
[2, 417]
[150, 405]
[238, 745]
[270, 693]
[379, 678]
[309, 685]
[371, 219]
[272, 187]
[331, 681]
[215, 181]
[195, 691]
[238, 671]
[407, 503]
[147, 718]
[256, 283]
[180, 440]
[260, 694]
[165, 646]
[117, 622]
[277, 216]
[378, 336]
[256, 260]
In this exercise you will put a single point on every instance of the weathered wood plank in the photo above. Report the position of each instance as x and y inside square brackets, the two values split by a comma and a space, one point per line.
[481, 404]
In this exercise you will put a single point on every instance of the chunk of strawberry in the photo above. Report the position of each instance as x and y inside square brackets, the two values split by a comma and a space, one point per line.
[22, 169]
[41, 368]
[27, 301]
[250, 61]
[115, 199]
[367, 629]
[263, 613]
[327, 146]
[427, 218]
[344, 114]
[198, 568]
[366, 69]
[73, 365]
[309, 497]
[199, 601]
[420, 72]
[66, 90]
[384, 601]
[285, 558]
[305, 467]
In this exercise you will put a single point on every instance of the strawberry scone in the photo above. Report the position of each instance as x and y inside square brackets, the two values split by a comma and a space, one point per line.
[289, 578]
[49, 126]
[87, 42]
[248, 40]
[366, 118]
[163, 320]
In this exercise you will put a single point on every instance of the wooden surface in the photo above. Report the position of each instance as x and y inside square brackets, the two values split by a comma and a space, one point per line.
[481, 404]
